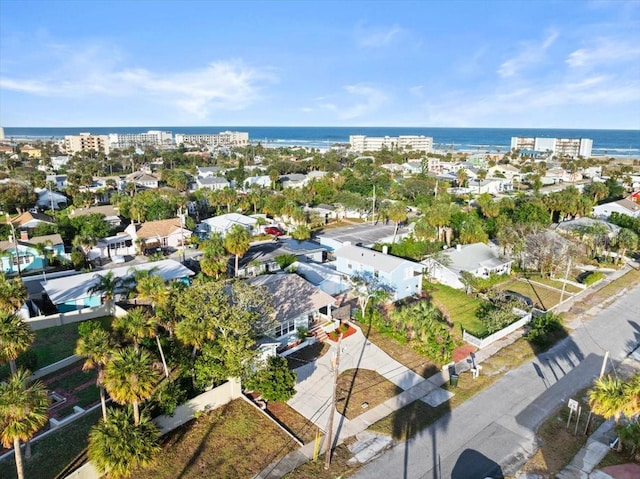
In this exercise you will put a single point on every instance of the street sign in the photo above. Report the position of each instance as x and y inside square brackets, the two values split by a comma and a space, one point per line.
[573, 404]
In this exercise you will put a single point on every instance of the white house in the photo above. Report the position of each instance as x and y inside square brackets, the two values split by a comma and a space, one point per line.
[478, 259]
[144, 180]
[212, 182]
[223, 223]
[322, 276]
[404, 277]
[48, 199]
[112, 246]
[294, 180]
[623, 206]
[262, 181]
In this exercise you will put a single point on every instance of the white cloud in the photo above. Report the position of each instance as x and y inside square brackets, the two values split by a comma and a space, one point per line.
[531, 53]
[604, 51]
[369, 100]
[377, 37]
[227, 85]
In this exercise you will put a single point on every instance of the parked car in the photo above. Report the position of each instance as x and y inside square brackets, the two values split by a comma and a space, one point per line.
[273, 231]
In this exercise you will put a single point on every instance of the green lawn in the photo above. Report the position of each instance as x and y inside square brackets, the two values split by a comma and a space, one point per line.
[56, 343]
[54, 452]
[553, 283]
[459, 307]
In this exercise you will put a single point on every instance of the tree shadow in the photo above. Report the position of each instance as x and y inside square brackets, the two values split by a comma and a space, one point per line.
[472, 464]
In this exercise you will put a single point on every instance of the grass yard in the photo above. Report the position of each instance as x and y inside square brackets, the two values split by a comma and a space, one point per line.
[52, 453]
[544, 297]
[361, 389]
[553, 283]
[233, 441]
[337, 469]
[459, 307]
[56, 343]
[402, 353]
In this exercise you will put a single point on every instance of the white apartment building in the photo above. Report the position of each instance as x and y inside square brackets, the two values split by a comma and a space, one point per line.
[362, 143]
[86, 141]
[571, 147]
[150, 138]
[224, 138]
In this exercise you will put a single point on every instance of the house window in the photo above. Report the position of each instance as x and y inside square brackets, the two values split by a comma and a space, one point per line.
[376, 273]
[23, 259]
[284, 327]
[349, 265]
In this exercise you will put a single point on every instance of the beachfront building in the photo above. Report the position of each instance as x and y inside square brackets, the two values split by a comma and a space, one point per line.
[85, 142]
[571, 147]
[154, 138]
[362, 143]
[224, 138]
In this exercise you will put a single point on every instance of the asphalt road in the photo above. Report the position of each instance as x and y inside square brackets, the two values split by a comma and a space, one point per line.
[492, 434]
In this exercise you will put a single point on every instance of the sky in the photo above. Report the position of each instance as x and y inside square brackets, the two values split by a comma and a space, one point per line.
[455, 63]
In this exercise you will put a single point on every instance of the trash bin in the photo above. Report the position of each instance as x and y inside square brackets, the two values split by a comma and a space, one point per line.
[453, 380]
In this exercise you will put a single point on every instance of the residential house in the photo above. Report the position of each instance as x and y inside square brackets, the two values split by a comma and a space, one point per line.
[262, 181]
[208, 171]
[30, 220]
[293, 180]
[261, 257]
[212, 183]
[322, 276]
[623, 206]
[223, 223]
[414, 167]
[297, 304]
[315, 175]
[402, 276]
[560, 175]
[161, 233]
[504, 171]
[58, 162]
[58, 182]
[113, 246]
[110, 212]
[74, 292]
[30, 151]
[324, 211]
[478, 259]
[143, 180]
[392, 167]
[30, 254]
[48, 199]
[492, 186]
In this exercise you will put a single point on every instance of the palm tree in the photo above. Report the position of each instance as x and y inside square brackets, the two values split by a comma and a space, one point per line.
[108, 285]
[130, 378]
[96, 348]
[397, 212]
[607, 398]
[135, 326]
[237, 242]
[23, 409]
[626, 240]
[215, 257]
[193, 332]
[13, 293]
[16, 337]
[153, 288]
[117, 447]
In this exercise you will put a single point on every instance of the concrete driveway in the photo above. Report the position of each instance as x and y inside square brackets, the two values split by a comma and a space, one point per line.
[315, 380]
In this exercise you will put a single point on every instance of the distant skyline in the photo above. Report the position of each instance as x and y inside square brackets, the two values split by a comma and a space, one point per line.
[458, 63]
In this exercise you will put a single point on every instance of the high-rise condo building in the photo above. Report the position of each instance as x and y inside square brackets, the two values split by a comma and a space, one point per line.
[86, 141]
[362, 143]
[224, 138]
[571, 147]
[151, 138]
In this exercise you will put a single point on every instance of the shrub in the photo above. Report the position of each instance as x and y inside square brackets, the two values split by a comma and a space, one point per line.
[285, 260]
[591, 278]
[543, 330]
[276, 382]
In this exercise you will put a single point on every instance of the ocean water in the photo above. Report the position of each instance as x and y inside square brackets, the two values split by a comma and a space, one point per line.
[619, 143]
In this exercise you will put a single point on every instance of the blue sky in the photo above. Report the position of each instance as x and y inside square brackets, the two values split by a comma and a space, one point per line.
[548, 64]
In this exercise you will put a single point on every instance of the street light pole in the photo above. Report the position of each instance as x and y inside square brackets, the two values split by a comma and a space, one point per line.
[181, 216]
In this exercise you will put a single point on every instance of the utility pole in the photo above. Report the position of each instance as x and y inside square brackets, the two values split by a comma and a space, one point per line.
[181, 216]
[336, 372]
[373, 217]
[15, 242]
[564, 283]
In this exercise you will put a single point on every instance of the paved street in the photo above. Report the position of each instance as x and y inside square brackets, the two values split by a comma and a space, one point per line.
[493, 433]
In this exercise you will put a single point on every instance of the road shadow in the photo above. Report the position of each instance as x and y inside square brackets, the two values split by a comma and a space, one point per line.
[472, 464]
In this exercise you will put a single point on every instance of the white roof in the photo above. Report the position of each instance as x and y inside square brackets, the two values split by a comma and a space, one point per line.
[226, 221]
[470, 257]
[375, 259]
[70, 288]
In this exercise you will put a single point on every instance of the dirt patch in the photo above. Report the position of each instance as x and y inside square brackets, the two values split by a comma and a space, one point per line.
[361, 389]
